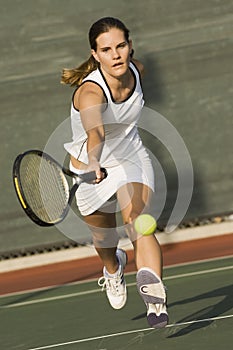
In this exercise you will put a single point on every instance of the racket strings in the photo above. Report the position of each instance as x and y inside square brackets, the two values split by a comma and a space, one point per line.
[45, 187]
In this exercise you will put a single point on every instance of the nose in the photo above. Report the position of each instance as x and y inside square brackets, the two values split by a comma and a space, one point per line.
[115, 54]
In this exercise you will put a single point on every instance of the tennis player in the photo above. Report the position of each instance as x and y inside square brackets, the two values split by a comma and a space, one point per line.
[106, 106]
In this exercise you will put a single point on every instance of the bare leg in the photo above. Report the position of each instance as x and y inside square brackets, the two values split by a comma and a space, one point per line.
[148, 253]
[134, 198]
[105, 237]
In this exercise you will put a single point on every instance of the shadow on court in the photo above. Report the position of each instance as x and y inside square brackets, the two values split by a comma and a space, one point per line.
[57, 317]
[207, 313]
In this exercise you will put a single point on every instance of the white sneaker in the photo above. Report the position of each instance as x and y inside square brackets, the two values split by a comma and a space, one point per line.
[115, 286]
[152, 291]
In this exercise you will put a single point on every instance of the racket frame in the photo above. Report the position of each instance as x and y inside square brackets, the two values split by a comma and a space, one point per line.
[86, 177]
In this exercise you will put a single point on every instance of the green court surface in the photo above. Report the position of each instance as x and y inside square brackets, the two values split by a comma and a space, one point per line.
[77, 316]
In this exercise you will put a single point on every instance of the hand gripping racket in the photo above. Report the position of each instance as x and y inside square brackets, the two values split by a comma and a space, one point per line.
[42, 188]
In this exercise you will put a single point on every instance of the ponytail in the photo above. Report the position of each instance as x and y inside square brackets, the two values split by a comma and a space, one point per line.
[75, 76]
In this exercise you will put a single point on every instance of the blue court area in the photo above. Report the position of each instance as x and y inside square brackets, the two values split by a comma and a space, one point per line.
[77, 316]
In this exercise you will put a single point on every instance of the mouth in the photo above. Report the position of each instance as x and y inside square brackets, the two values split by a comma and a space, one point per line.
[117, 64]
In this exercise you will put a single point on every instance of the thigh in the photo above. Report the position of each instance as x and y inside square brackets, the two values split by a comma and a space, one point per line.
[100, 219]
[105, 216]
[134, 199]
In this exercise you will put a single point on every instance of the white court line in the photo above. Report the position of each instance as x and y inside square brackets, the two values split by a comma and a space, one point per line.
[71, 295]
[78, 282]
[130, 332]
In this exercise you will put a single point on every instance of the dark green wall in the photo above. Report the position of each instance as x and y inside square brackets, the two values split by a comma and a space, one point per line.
[187, 50]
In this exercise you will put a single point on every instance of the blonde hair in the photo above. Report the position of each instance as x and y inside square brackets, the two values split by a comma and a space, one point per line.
[75, 76]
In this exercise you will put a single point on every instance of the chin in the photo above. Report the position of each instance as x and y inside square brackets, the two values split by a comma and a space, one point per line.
[120, 71]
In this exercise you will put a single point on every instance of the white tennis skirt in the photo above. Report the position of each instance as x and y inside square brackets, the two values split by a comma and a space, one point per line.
[91, 197]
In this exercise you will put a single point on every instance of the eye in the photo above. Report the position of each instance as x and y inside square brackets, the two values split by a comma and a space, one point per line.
[105, 49]
[122, 45]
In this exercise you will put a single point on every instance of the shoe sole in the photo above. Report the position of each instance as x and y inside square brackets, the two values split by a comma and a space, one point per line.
[148, 283]
[157, 321]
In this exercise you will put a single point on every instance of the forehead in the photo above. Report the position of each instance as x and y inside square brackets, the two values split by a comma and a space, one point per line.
[113, 37]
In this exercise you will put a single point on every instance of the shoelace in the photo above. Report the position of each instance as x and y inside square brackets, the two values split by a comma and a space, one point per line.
[111, 284]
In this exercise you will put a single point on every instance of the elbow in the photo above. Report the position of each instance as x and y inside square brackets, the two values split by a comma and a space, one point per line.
[97, 133]
[101, 133]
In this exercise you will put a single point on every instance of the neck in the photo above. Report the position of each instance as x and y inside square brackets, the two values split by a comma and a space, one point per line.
[118, 82]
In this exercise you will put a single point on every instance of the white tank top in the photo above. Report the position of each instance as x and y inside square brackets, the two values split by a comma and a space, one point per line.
[120, 122]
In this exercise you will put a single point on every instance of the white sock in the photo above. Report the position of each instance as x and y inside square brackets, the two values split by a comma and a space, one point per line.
[112, 275]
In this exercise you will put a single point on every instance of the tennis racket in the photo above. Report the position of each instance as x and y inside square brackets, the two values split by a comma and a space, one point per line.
[42, 188]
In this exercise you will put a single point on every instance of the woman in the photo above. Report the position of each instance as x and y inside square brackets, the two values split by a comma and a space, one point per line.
[105, 109]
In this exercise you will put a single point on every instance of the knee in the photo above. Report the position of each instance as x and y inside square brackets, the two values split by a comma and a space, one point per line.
[131, 217]
[129, 226]
[105, 238]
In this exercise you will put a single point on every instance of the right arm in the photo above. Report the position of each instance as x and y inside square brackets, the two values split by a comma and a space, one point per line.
[89, 100]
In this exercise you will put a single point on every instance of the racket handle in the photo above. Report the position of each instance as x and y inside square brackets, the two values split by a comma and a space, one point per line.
[91, 176]
[104, 171]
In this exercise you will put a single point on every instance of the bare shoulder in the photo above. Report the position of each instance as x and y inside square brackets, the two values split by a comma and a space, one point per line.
[87, 95]
[139, 66]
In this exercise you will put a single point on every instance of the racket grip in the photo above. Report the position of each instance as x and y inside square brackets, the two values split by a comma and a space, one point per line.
[91, 176]
[104, 171]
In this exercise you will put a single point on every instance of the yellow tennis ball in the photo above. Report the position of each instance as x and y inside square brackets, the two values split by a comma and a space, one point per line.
[145, 224]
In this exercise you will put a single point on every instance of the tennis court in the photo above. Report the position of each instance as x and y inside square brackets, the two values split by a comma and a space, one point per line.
[77, 316]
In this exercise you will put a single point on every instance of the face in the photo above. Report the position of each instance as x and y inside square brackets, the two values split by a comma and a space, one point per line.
[113, 52]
